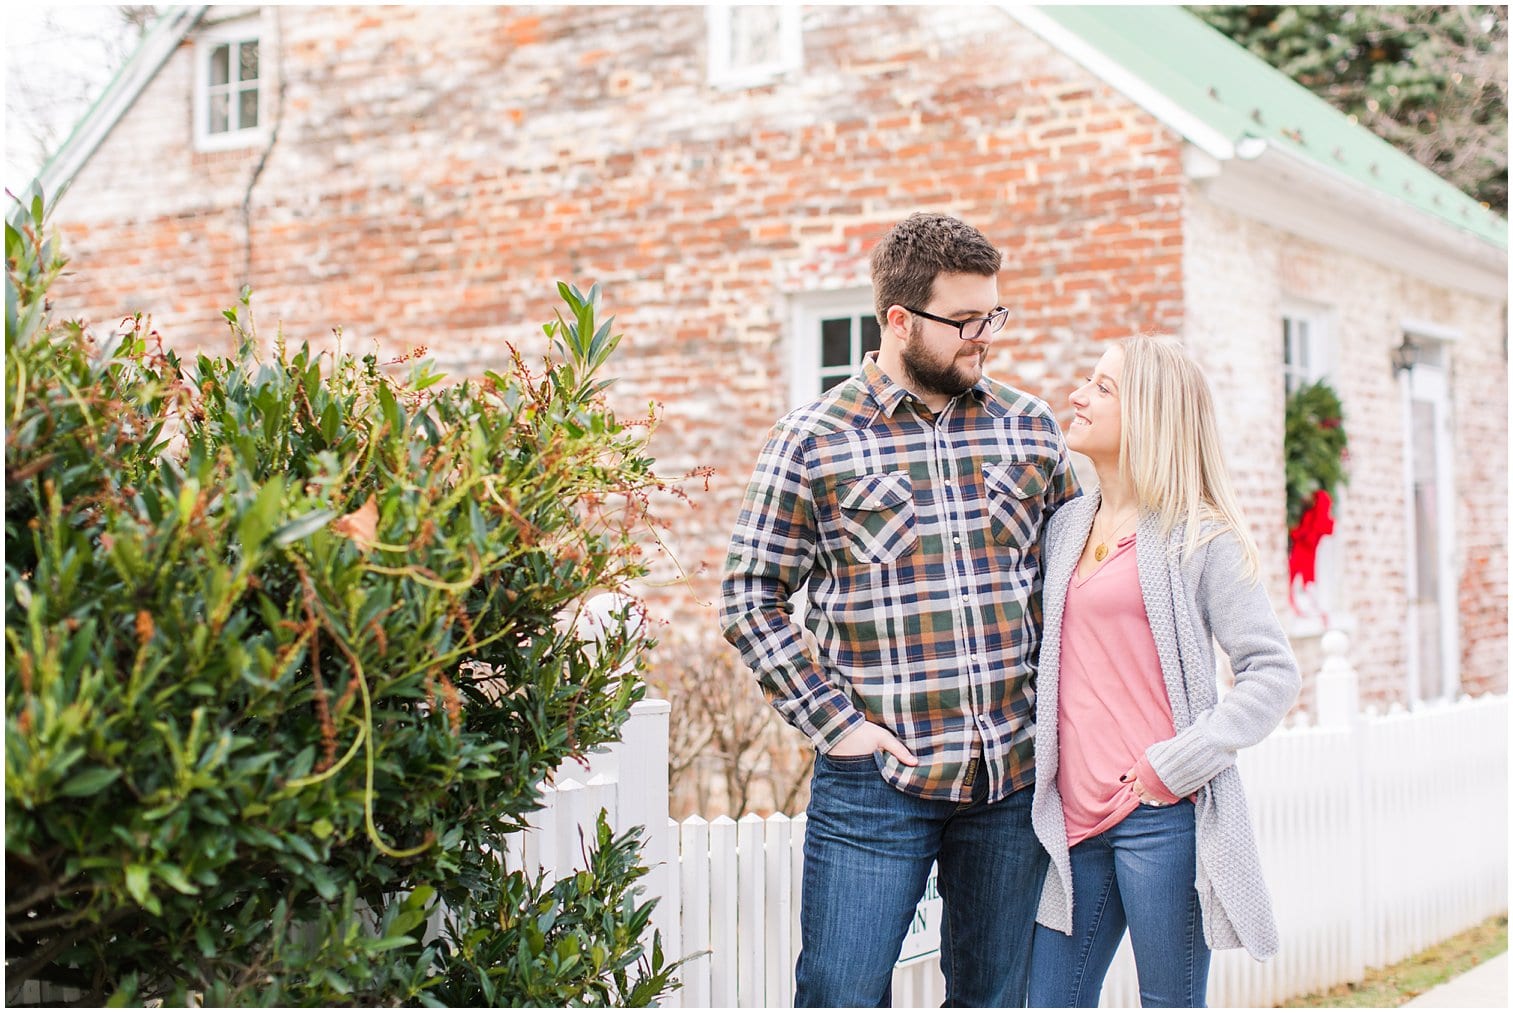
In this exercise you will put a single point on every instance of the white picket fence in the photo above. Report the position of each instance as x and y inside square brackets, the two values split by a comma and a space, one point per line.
[1381, 834]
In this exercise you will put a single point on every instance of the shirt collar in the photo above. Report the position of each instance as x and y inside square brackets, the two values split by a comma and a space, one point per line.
[889, 396]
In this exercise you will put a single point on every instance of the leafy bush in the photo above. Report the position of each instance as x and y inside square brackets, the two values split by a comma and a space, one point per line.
[289, 647]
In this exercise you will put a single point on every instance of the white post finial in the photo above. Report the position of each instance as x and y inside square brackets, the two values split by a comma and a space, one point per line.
[610, 611]
[1339, 700]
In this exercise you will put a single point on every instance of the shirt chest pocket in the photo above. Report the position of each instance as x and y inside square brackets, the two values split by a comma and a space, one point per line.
[1016, 500]
[876, 516]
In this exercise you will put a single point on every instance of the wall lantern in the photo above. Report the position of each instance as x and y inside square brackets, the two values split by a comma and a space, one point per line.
[1405, 356]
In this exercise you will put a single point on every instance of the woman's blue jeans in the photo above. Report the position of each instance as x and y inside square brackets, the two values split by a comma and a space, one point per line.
[868, 848]
[1139, 873]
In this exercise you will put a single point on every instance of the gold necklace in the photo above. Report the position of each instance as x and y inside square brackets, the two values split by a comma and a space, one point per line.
[1100, 552]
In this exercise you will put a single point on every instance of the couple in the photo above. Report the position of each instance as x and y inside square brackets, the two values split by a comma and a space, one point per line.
[923, 505]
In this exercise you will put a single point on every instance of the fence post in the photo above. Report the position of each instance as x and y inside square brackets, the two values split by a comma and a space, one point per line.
[1338, 692]
[638, 763]
[643, 802]
[1339, 706]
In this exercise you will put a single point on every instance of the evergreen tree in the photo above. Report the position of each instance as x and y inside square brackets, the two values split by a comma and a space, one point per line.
[1431, 79]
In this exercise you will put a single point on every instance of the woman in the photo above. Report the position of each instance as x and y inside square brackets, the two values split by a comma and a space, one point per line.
[1136, 794]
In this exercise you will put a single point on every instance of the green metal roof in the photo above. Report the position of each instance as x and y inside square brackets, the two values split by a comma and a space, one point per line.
[1237, 95]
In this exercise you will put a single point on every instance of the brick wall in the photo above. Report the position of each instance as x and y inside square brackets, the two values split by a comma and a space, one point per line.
[435, 172]
[1241, 275]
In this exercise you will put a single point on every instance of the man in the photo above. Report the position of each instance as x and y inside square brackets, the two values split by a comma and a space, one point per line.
[909, 499]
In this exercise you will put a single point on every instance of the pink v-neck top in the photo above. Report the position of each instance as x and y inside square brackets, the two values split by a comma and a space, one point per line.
[1112, 697]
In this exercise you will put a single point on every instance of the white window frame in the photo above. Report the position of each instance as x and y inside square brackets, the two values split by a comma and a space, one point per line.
[1324, 598]
[207, 41]
[1320, 339]
[723, 74]
[805, 346]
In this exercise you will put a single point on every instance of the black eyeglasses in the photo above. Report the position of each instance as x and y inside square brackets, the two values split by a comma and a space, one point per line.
[973, 327]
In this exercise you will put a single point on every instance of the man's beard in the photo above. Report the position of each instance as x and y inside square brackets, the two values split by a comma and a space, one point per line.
[933, 376]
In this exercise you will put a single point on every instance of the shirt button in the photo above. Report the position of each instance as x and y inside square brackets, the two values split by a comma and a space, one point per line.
[956, 540]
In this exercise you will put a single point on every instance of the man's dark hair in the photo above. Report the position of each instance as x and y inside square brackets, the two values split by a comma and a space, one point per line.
[917, 249]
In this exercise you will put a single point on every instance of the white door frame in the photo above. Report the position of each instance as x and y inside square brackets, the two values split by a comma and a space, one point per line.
[1430, 381]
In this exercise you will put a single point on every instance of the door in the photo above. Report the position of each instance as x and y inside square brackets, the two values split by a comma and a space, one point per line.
[1434, 654]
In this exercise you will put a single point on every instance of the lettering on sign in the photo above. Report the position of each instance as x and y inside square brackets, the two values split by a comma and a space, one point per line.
[923, 939]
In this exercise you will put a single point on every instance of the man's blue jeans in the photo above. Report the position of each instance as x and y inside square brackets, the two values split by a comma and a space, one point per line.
[1139, 873]
[868, 849]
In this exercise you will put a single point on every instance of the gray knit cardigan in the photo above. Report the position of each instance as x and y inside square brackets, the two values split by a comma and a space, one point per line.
[1190, 604]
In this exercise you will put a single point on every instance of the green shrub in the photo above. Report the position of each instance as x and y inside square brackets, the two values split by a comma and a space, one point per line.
[289, 647]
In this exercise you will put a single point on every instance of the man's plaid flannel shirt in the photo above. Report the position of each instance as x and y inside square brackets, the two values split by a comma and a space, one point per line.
[919, 539]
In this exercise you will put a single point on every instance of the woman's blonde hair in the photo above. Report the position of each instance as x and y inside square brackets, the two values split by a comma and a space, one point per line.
[1169, 448]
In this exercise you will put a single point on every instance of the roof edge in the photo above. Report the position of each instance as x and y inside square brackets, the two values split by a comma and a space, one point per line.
[160, 42]
[1430, 227]
[1283, 190]
[1131, 85]
[1239, 145]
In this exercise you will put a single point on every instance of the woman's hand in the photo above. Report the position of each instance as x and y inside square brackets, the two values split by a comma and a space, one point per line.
[1132, 779]
[1147, 794]
[867, 738]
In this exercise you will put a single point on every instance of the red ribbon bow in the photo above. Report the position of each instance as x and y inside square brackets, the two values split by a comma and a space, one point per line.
[1303, 541]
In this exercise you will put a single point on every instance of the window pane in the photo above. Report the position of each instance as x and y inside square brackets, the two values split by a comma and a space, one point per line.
[872, 335]
[247, 109]
[220, 65]
[1430, 352]
[835, 342]
[1425, 516]
[1425, 425]
[826, 382]
[1425, 498]
[1298, 368]
[1430, 676]
[755, 34]
[219, 105]
[249, 61]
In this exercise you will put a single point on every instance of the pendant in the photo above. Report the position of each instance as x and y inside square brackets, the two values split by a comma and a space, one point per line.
[1100, 553]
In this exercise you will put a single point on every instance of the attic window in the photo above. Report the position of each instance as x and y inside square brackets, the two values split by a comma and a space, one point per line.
[228, 91]
[752, 45]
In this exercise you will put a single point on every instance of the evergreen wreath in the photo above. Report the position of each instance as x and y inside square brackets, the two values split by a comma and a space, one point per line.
[1313, 445]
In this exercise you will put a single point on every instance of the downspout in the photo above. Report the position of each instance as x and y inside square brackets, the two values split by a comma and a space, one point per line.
[262, 162]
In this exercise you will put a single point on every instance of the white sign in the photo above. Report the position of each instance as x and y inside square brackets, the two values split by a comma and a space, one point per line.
[923, 939]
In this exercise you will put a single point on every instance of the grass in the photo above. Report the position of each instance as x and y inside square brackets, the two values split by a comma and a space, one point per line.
[1392, 986]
